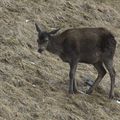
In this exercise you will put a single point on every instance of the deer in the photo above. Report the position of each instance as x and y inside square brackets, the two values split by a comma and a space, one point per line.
[95, 46]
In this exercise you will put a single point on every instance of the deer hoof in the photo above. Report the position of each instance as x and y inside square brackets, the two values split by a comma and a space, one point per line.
[71, 92]
[111, 96]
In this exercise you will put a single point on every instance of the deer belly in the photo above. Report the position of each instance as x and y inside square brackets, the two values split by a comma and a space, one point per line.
[90, 58]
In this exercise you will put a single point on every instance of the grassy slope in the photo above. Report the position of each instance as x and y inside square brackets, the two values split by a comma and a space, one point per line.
[34, 86]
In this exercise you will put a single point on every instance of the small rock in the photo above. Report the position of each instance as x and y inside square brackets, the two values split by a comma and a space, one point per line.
[33, 85]
[27, 21]
[32, 63]
[89, 82]
[118, 101]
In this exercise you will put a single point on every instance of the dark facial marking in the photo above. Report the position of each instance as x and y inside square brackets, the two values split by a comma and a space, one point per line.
[43, 39]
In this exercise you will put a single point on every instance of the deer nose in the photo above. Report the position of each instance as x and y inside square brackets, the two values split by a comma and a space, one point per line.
[40, 50]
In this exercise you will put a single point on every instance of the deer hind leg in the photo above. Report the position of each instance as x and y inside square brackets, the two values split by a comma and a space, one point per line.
[109, 66]
[101, 73]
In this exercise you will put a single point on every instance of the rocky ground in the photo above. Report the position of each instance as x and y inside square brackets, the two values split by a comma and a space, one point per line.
[34, 86]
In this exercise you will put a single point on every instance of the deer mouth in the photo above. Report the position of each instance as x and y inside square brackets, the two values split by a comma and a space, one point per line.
[40, 50]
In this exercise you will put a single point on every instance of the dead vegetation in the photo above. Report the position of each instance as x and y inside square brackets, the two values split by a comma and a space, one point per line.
[34, 86]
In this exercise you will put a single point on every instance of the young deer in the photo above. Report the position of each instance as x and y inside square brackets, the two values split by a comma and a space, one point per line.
[94, 46]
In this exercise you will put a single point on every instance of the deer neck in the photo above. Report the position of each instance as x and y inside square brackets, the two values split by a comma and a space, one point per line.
[55, 45]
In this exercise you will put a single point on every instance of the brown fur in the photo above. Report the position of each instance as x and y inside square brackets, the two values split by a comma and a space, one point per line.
[94, 46]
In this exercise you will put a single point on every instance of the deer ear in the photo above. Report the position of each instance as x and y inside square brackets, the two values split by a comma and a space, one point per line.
[54, 31]
[37, 28]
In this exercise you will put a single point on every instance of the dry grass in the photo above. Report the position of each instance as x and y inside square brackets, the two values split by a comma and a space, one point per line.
[34, 86]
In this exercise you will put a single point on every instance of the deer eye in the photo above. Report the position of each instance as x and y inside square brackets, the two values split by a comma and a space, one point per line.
[43, 38]
[46, 39]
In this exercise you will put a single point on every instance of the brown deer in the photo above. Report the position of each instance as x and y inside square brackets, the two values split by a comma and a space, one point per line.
[94, 46]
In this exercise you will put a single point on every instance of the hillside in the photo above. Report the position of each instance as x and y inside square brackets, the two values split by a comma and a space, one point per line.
[34, 86]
